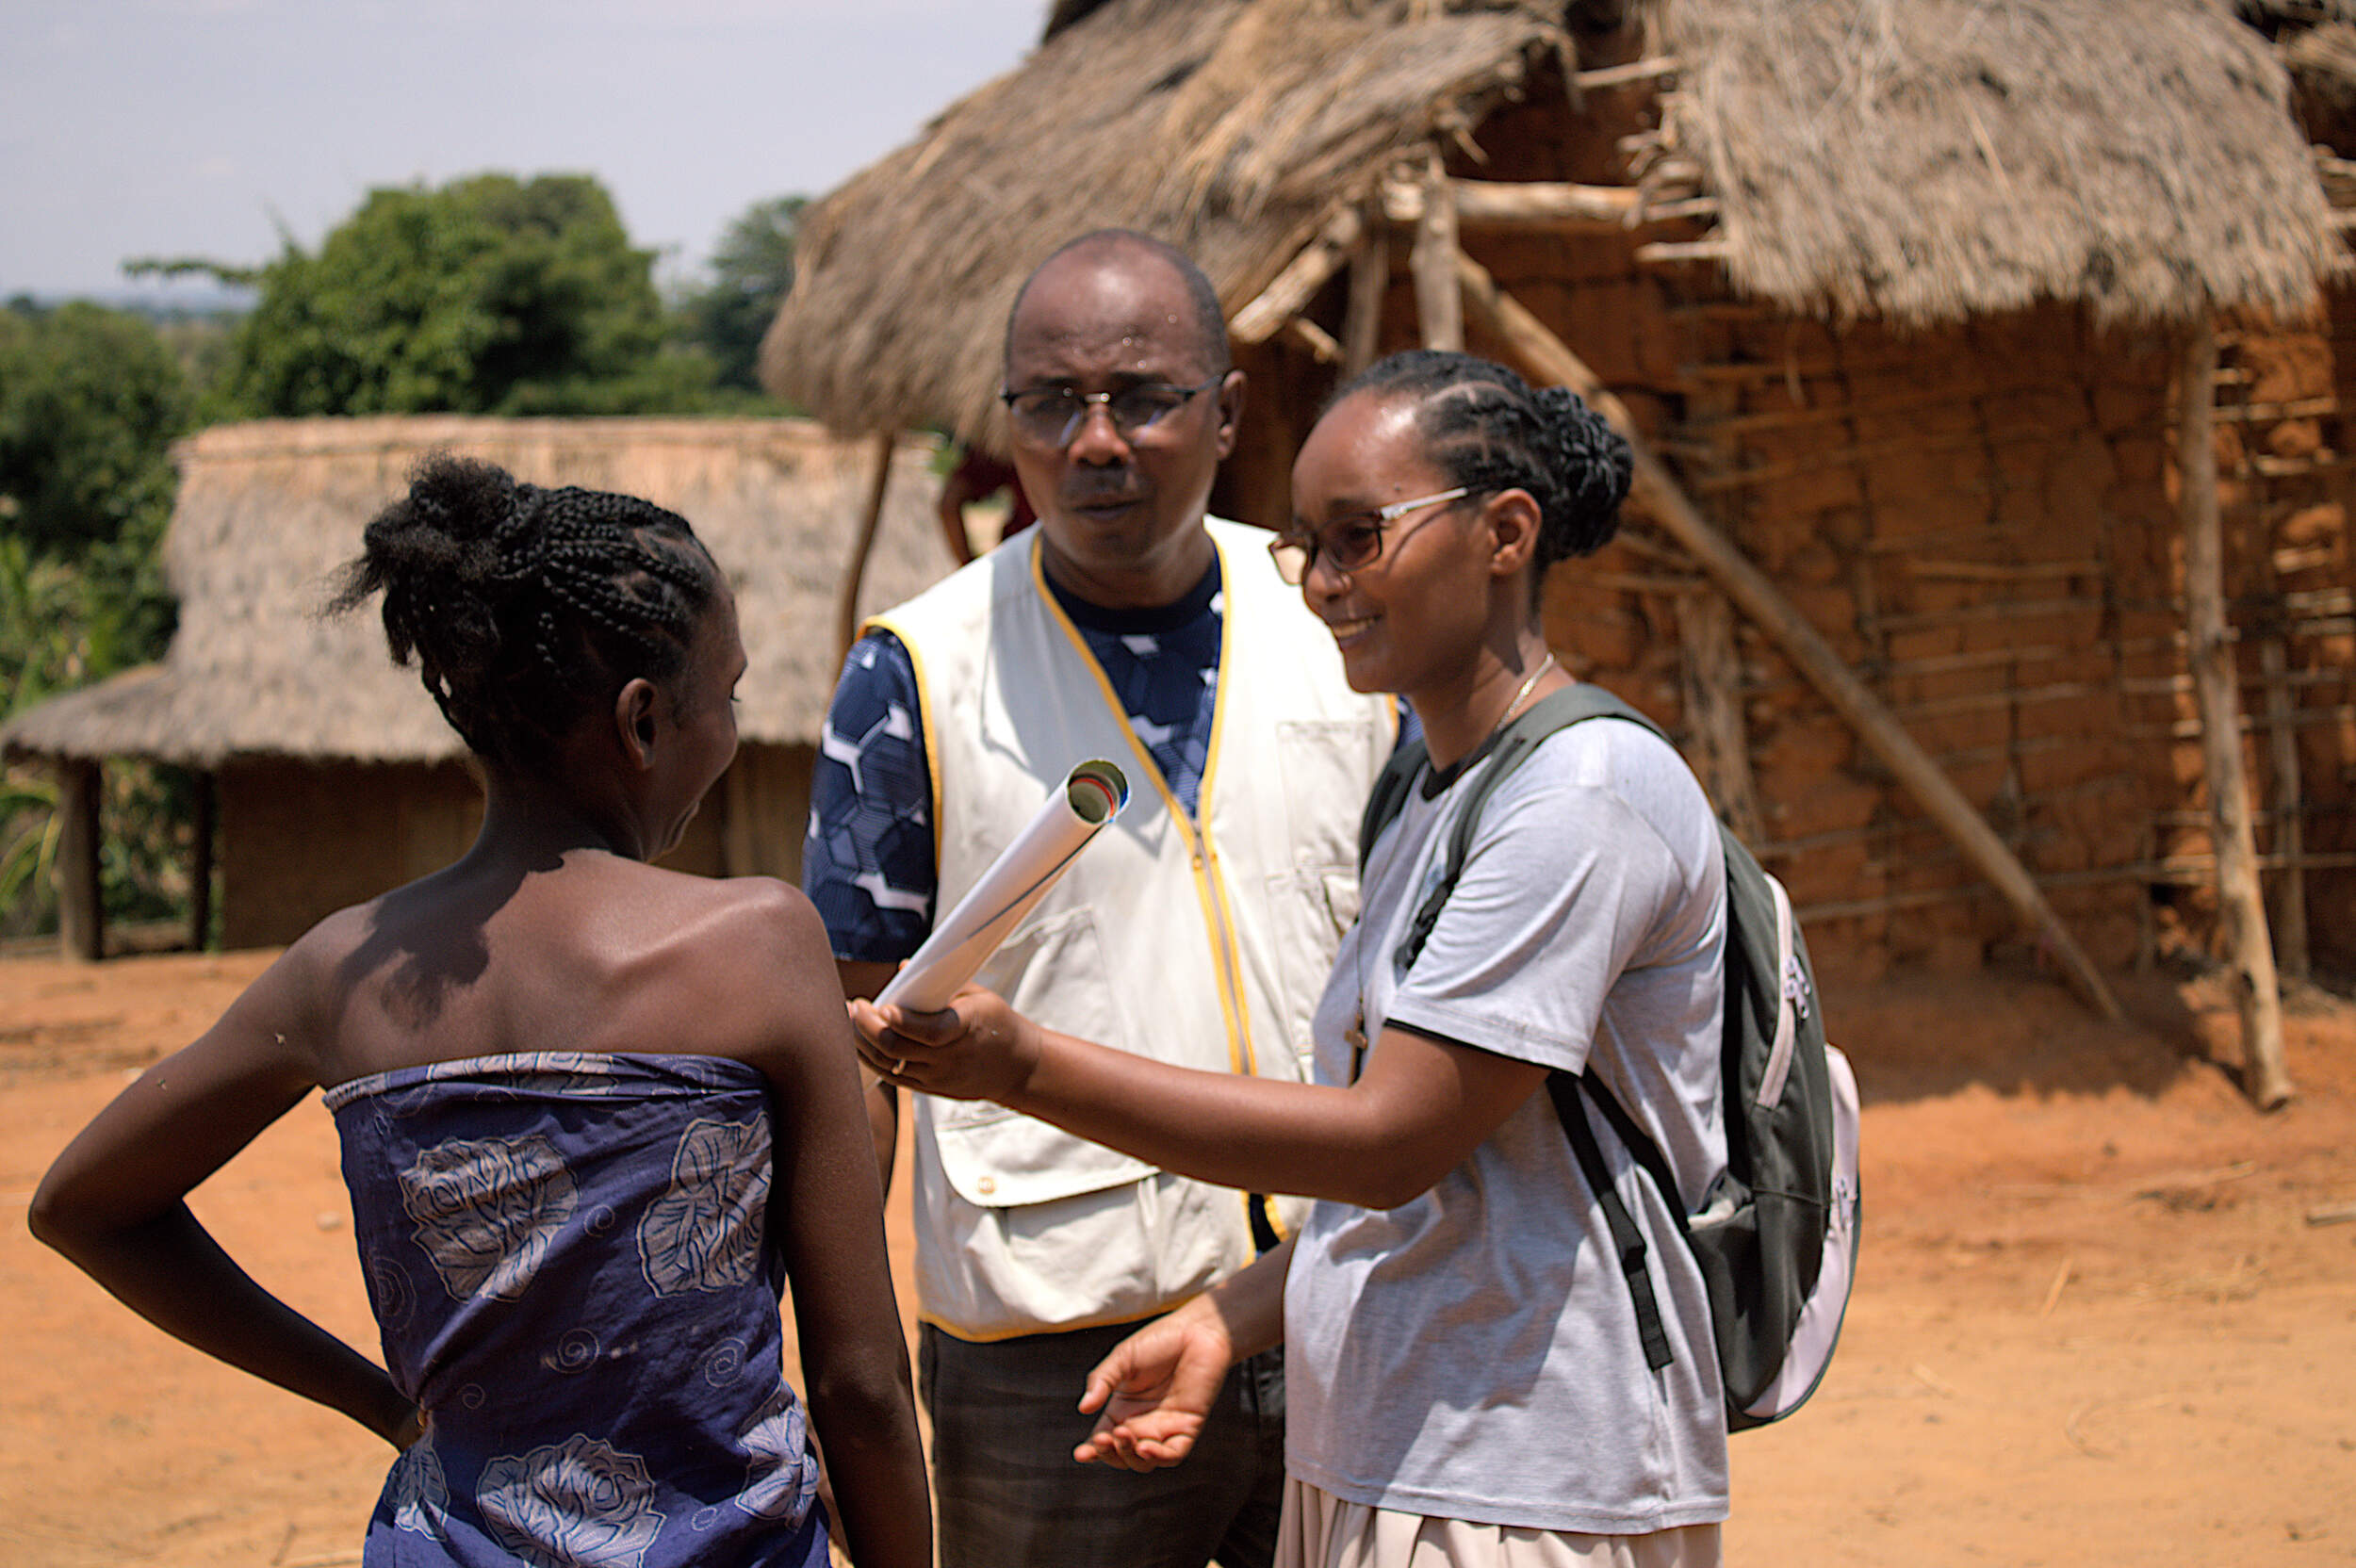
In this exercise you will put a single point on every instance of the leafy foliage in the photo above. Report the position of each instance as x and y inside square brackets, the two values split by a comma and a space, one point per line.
[489, 295]
[91, 400]
[751, 272]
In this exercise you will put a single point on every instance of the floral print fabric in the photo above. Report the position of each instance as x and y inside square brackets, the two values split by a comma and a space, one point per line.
[568, 1261]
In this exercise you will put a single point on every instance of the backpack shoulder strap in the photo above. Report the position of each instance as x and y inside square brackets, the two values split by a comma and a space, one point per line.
[1627, 1242]
[1573, 703]
[1389, 796]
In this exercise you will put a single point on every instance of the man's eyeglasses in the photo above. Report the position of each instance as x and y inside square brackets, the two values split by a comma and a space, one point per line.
[1347, 543]
[1052, 416]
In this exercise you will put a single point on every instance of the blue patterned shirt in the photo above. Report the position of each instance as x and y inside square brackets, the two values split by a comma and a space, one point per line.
[867, 859]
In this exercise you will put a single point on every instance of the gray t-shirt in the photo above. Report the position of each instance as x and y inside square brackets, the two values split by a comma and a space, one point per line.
[1472, 1354]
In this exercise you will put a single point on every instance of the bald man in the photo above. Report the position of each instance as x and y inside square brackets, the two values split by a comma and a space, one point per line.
[1127, 625]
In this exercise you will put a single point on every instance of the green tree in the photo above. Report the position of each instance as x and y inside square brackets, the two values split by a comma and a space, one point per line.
[750, 274]
[91, 400]
[488, 295]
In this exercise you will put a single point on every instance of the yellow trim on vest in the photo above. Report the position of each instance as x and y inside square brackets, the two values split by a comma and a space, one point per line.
[1229, 965]
[1205, 891]
[1275, 1218]
[932, 747]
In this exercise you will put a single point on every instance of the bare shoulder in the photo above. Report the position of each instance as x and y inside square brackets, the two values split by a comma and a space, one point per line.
[743, 915]
[748, 960]
[319, 961]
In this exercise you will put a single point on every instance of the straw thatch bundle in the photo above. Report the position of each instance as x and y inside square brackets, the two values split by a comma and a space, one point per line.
[1228, 126]
[2272, 15]
[1919, 159]
[268, 510]
[2322, 66]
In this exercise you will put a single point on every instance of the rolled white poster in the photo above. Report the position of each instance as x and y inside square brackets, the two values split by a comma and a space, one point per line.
[1091, 795]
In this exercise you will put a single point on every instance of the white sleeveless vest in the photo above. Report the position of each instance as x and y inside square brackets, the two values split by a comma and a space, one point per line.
[1208, 950]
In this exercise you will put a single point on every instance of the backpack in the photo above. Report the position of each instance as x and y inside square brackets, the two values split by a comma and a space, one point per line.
[1777, 1236]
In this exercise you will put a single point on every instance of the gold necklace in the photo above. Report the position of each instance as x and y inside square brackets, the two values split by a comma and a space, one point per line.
[1515, 706]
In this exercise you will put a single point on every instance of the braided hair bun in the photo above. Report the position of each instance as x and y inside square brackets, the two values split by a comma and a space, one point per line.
[1487, 430]
[524, 608]
[1594, 464]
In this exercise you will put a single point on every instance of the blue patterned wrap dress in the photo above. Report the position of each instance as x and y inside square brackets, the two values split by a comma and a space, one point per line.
[567, 1255]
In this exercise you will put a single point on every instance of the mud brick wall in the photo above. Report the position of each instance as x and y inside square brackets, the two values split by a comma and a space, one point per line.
[2287, 482]
[1982, 520]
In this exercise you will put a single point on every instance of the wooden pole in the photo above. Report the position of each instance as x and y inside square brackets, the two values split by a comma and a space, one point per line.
[204, 827]
[2250, 949]
[1540, 208]
[1314, 338]
[1549, 358]
[1370, 280]
[1439, 298]
[1301, 277]
[1712, 675]
[846, 602]
[81, 916]
[2289, 924]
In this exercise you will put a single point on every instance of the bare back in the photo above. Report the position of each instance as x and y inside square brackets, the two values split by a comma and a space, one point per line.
[594, 954]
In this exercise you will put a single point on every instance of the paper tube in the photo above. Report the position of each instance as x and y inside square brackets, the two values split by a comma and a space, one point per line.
[1091, 795]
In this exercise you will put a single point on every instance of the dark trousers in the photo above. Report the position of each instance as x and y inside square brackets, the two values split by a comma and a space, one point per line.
[1006, 1419]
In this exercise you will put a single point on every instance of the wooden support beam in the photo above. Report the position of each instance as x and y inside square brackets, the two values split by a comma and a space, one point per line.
[1634, 71]
[1512, 205]
[1301, 277]
[1369, 286]
[81, 916]
[1549, 358]
[203, 829]
[2257, 991]
[1712, 675]
[1671, 253]
[1439, 299]
[846, 594]
[1314, 338]
[2289, 924]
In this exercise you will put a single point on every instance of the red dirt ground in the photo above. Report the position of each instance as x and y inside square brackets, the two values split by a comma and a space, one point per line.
[2104, 1315]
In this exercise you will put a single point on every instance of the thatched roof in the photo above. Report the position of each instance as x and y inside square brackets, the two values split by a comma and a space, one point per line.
[2322, 66]
[1921, 159]
[1228, 126]
[268, 510]
[1924, 161]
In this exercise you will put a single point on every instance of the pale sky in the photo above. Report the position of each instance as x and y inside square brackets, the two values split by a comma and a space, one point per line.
[208, 127]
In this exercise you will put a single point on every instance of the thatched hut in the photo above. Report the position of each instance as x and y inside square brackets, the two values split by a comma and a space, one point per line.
[1897, 293]
[334, 776]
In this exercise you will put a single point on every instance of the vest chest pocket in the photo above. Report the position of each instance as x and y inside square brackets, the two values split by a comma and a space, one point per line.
[1326, 767]
[1308, 911]
[1053, 972]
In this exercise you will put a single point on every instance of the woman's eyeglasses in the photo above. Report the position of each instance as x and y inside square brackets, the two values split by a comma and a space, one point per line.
[1052, 416]
[1347, 543]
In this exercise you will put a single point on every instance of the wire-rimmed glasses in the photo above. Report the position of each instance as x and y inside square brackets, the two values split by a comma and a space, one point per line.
[1347, 543]
[1052, 416]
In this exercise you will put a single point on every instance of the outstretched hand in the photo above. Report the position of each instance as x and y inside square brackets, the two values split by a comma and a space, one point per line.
[1152, 1394]
[976, 1048]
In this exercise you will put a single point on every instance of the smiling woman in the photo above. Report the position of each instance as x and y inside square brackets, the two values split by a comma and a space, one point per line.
[1467, 1382]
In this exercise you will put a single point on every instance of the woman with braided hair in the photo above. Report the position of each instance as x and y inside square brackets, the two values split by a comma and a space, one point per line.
[1468, 1382]
[594, 1114]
